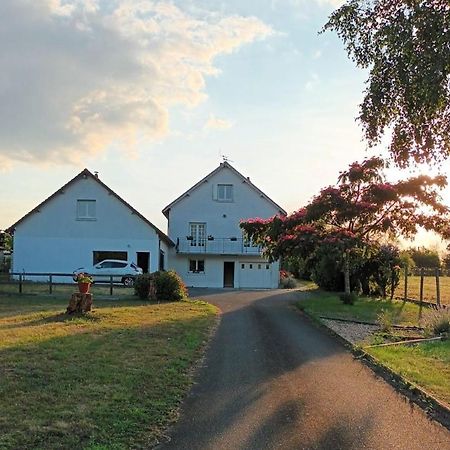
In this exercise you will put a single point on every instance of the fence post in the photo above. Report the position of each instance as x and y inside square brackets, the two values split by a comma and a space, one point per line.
[405, 297]
[421, 285]
[438, 288]
[20, 283]
[110, 285]
[50, 284]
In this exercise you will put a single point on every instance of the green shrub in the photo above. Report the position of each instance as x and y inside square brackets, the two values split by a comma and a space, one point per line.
[348, 298]
[142, 285]
[385, 320]
[437, 322]
[168, 286]
[288, 282]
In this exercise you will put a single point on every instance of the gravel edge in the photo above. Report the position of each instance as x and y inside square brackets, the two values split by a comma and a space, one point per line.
[433, 408]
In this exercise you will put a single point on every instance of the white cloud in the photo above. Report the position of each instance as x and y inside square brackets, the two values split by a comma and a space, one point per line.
[79, 75]
[214, 122]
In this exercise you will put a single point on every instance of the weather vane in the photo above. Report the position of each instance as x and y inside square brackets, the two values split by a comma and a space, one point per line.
[225, 158]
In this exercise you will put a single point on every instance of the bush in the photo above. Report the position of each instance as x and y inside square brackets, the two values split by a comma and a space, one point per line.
[168, 286]
[142, 285]
[288, 282]
[348, 298]
[437, 322]
[385, 320]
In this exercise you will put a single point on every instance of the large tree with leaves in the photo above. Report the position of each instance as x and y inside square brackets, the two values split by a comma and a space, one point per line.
[346, 220]
[405, 44]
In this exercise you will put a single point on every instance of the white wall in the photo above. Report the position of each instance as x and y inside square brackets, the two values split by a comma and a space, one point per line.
[53, 240]
[222, 221]
[213, 275]
[200, 207]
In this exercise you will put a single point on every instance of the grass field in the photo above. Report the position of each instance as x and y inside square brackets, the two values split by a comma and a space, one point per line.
[427, 365]
[429, 289]
[109, 380]
[365, 309]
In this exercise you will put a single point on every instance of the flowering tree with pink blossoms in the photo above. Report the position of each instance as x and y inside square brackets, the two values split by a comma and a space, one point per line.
[345, 221]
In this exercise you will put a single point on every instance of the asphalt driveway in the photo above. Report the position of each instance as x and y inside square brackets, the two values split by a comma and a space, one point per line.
[272, 380]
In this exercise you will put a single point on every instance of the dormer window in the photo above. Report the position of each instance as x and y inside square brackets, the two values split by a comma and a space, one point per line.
[225, 192]
[86, 210]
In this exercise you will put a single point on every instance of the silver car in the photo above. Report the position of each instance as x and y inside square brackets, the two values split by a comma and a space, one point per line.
[122, 271]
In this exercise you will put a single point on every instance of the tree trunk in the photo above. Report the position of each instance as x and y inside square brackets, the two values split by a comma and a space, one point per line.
[346, 273]
[79, 303]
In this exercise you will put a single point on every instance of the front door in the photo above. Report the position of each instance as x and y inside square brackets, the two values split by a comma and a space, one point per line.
[143, 261]
[228, 274]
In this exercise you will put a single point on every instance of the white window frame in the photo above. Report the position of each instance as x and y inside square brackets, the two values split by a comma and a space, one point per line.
[86, 209]
[224, 192]
[196, 270]
[197, 231]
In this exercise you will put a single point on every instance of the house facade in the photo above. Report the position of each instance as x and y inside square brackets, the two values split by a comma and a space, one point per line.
[210, 248]
[81, 224]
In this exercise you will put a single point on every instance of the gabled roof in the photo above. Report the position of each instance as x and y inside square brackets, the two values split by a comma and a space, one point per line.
[83, 175]
[224, 165]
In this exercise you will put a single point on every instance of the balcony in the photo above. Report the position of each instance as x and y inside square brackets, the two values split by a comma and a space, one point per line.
[217, 246]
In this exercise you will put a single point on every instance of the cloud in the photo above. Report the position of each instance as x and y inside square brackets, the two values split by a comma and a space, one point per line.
[80, 75]
[216, 123]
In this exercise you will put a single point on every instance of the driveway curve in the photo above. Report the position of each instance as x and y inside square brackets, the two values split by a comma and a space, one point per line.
[272, 380]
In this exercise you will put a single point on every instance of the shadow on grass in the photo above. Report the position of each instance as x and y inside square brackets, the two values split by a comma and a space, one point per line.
[111, 387]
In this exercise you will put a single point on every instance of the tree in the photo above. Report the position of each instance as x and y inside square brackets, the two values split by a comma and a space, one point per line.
[345, 221]
[406, 46]
[424, 257]
[5, 241]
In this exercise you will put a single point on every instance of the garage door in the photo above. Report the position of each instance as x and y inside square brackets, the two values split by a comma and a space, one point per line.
[255, 275]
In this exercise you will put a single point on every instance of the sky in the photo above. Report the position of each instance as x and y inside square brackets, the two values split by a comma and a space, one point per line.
[153, 94]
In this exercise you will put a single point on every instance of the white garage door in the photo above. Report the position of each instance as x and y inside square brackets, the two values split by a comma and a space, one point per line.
[255, 275]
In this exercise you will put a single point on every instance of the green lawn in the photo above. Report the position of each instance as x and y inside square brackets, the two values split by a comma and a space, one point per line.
[109, 380]
[427, 365]
[365, 309]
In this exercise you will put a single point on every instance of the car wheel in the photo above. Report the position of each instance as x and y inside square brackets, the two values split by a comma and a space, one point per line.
[128, 281]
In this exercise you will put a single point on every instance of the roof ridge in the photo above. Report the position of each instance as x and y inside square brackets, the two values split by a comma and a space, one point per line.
[224, 164]
[84, 173]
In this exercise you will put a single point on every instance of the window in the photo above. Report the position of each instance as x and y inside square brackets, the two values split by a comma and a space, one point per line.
[86, 210]
[225, 192]
[242, 266]
[197, 234]
[196, 265]
[99, 256]
[118, 265]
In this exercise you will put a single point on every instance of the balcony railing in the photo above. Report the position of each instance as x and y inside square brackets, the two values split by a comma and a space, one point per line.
[217, 246]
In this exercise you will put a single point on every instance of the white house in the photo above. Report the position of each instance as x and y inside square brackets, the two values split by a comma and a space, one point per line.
[81, 224]
[211, 250]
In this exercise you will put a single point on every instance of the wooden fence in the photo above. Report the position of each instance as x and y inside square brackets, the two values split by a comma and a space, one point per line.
[421, 285]
[55, 283]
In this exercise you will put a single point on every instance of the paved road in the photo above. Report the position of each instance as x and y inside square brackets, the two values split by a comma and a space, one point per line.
[271, 380]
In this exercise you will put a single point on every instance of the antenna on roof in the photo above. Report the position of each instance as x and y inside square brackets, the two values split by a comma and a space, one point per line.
[225, 158]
